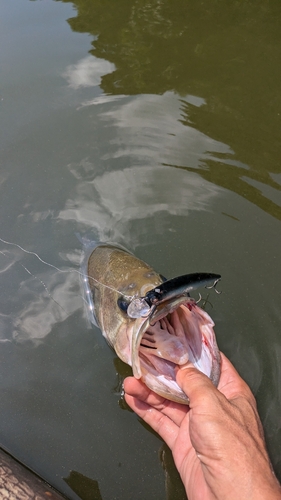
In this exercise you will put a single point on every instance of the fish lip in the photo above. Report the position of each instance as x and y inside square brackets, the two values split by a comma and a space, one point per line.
[139, 329]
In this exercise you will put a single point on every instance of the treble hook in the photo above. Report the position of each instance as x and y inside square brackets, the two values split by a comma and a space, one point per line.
[205, 302]
[214, 286]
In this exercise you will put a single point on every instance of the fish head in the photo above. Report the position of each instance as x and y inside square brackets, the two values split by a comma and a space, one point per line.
[159, 339]
[114, 278]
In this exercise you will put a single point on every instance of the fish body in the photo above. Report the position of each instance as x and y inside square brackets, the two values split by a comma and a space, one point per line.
[168, 330]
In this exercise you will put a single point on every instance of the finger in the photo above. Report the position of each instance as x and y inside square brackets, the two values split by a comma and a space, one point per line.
[197, 386]
[139, 390]
[159, 422]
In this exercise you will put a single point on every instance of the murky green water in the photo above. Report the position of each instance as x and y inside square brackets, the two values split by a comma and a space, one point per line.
[157, 125]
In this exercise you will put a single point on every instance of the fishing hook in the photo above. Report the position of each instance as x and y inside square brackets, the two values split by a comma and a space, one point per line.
[214, 286]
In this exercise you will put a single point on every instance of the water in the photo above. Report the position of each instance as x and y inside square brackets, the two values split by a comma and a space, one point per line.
[156, 126]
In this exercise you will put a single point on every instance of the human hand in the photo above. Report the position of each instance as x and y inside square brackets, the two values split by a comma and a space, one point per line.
[217, 442]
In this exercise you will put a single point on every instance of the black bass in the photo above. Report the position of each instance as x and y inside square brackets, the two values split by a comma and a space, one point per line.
[152, 324]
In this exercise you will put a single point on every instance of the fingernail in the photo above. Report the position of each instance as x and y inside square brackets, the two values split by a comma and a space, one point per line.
[185, 366]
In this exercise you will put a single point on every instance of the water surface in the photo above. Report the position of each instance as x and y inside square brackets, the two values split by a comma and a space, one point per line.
[156, 126]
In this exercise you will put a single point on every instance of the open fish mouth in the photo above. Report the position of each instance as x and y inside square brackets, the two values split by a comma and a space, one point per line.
[152, 324]
[175, 334]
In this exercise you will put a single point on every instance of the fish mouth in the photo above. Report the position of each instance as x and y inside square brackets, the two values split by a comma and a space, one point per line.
[175, 334]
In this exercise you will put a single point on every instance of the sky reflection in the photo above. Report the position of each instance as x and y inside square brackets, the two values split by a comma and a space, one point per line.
[144, 132]
[87, 72]
[35, 304]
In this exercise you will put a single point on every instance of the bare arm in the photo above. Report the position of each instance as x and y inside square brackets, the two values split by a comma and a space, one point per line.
[217, 442]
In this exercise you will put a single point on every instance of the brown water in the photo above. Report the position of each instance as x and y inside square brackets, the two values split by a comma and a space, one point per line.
[155, 125]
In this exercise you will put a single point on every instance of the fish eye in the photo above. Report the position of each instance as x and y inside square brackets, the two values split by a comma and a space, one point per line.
[123, 304]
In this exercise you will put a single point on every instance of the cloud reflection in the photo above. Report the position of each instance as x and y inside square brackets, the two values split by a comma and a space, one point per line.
[32, 306]
[145, 133]
[137, 193]
[87, 72]
[46, 307]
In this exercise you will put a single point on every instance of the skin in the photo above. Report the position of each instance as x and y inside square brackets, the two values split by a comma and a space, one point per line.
[217, 442]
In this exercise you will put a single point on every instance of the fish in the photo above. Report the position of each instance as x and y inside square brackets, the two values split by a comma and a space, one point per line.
[152, 323]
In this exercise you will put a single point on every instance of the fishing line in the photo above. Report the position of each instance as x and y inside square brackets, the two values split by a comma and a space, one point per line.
[85, 276]
[44, 285]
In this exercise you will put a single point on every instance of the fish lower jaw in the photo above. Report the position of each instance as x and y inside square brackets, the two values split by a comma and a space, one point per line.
[167, 388]
[161, 378]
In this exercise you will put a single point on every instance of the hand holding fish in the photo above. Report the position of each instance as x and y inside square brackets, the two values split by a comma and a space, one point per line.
[156, 327]
[217, 442]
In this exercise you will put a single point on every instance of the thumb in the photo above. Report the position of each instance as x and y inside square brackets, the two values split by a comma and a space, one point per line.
[195, 385]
